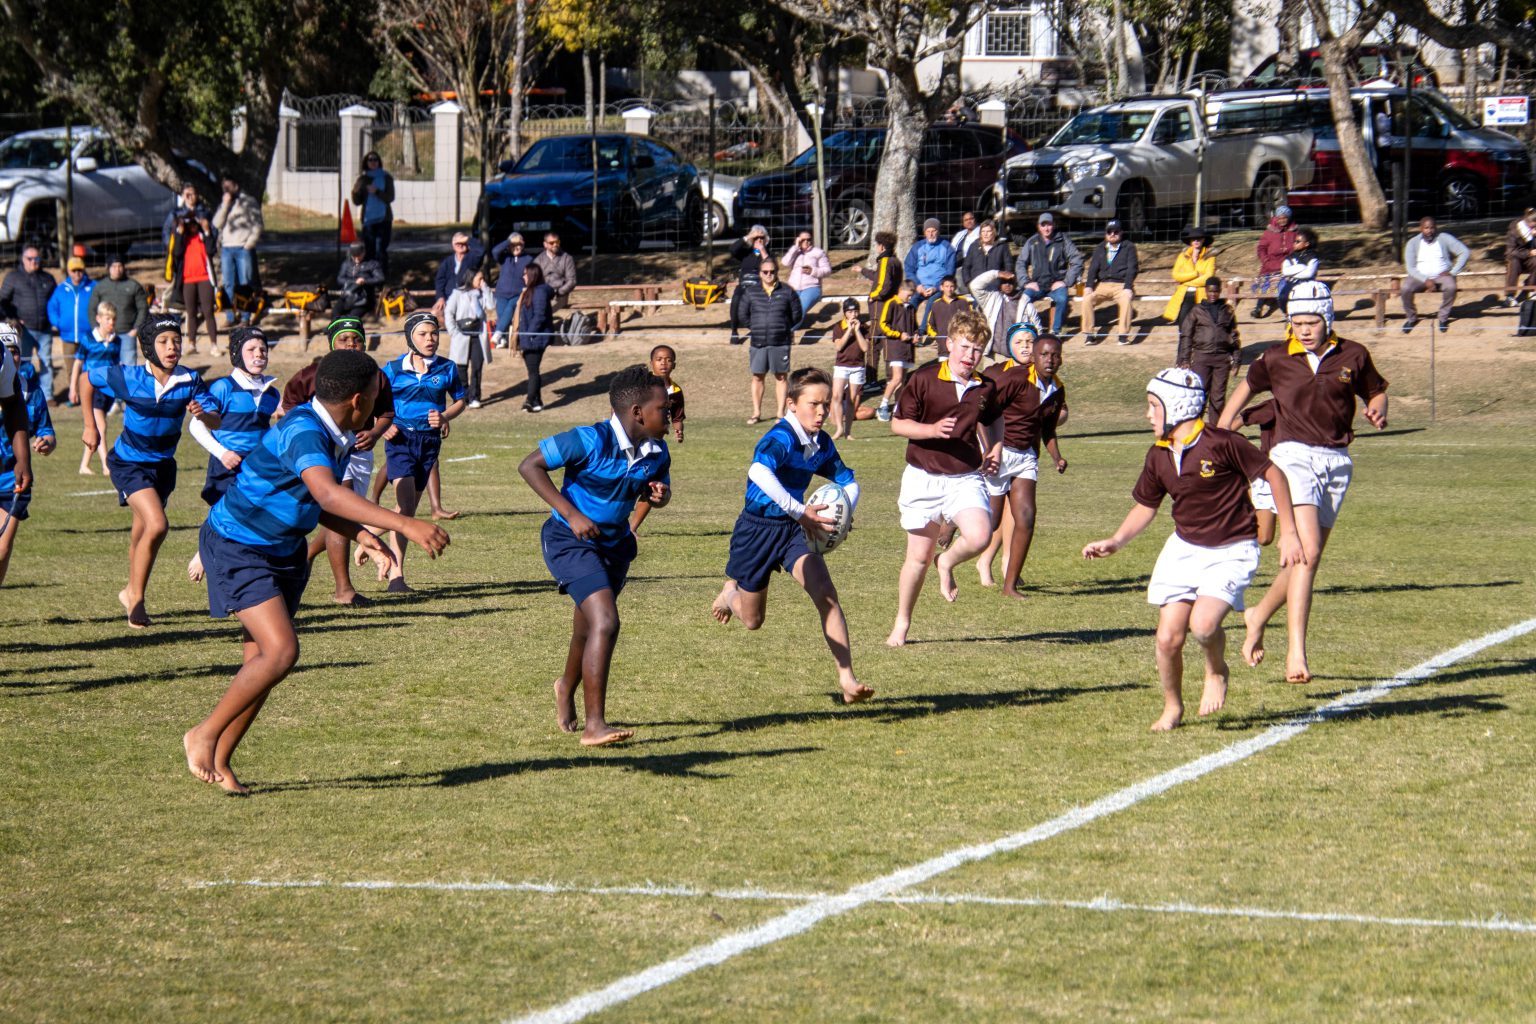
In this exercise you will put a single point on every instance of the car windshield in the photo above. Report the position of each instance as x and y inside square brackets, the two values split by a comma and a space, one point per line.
[1103, 127]
[1456, 118]
[846, 149]
[571, 154]
[35, 153]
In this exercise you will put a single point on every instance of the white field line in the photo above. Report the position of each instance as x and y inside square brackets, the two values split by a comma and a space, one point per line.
[468, 458]
[801, 919]
[89, 494]
[1103, 904]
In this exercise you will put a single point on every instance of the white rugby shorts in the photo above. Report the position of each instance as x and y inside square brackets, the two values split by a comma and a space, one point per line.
[359, 472]
[854, 375]
[1016, 465]
[1317, 476]
[1185, 571]
[938, 498]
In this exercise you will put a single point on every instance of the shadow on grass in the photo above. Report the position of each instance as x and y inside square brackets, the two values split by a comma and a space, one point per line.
[1397, 432]
[1091, 588]
[1065, 636]
[897, 709]
[1446, 706]
[49, 687]
[691, 765]
[557, 373]
[1404, 588]
[1106, 433]
[124, 528]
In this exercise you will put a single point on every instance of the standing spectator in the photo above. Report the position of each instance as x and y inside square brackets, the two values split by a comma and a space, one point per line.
[1049, 266]
[1432, 259]
[559, 269]
[374, 194]
[967, 236]
[512, 258]
[884, 281]
[238, 222]
[127, 297]
[24, 301]
[772, 310]
[358, 280]
[534, 307]
[466, 254]
[930, 260]
[69, 308]
[190, 272]
[1112, 271]
[987, 253]
[807, 265]
[187, 201]
[1209, 344]
[1301, 265]
[996, 294]
[1276, 244]
[467, 314]
[1520, 256]
[749, 252]
[1191, 269]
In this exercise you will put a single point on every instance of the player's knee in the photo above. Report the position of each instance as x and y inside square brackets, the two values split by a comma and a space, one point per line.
[752, 620]
[1204, 631]
[1024, 517]
[1170, 639]
[282, 656]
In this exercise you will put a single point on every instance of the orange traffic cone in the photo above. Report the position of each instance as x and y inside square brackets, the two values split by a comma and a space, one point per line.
[348, 232]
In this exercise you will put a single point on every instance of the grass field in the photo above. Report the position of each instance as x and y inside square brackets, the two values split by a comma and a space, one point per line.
[1377, 866]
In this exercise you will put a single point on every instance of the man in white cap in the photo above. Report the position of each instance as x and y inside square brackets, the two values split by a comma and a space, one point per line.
[1210, 558]
[1315, 376]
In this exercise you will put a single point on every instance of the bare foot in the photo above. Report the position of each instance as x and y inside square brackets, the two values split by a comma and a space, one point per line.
[984, 573]
[138, 618]
[947, 585]
[442, 513]
[1253, 638]
[721, 609]
[898, 637]
[855, 692]
[605, 735]
[199, 764]
[565, 706]
[87, 471]
[352, 599]
[231, 785]
[195, 568]
[1296, 670]
[1214, 697]
[1015, 590]
[1172, 716]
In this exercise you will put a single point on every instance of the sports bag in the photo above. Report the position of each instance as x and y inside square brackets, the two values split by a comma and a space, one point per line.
[1527, 328]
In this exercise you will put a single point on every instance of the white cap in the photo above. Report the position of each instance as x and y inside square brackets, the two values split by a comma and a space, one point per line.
[1181, 394]
[1311, 298]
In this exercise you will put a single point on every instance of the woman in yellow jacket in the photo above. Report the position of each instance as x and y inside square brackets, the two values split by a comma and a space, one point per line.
[1193, 267]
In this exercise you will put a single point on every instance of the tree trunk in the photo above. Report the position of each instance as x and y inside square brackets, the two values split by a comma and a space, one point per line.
[602, 85]
[410, 160]
[1135, 63]
[586, 89]
[1357, 159]
[1289, 36]
[1122, 70]
[896, 184]
[519, 79]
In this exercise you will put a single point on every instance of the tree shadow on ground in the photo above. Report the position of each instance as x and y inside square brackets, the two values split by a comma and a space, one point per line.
[1065, 636]
[696, 764]
[1404, 588]
[1446, 706]
[895, 709]
[1068, 436]
[50, 687]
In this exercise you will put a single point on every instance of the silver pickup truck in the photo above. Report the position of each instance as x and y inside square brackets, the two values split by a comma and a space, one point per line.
[1136, 160]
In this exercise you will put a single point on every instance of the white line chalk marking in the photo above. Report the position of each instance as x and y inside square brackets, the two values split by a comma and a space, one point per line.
[89, 494]
[801, 919]
[1103, 904]
[468, 458]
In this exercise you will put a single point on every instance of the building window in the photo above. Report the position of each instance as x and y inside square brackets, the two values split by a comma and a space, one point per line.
[1007, 34]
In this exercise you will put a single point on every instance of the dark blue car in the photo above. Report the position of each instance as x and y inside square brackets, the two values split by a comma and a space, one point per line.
[644, 191]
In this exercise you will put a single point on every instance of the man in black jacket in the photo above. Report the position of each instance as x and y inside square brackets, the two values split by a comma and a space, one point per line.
[24, 298]
[1048, 267]
[466, 253]
[750, 252]
[1111, 277]
[771, 311]
[359, 280]
[1209, 344]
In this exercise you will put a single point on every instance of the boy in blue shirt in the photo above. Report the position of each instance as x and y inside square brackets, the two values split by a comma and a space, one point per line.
[96, 349]
[156, 397]
[770, 533]
[587, 542]
[428, 393]
[24, 394]
[245, 401]
[253, 546]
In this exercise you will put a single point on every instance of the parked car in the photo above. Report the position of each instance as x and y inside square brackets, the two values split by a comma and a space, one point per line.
[116, 202]
[644, 191]
[956, 172]
[719, 202]
[1136, 160]
[1371, 63]
[1457, 169]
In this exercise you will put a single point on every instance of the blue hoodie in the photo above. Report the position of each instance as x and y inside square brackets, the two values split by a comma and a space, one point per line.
[69, 308]
[928, 263]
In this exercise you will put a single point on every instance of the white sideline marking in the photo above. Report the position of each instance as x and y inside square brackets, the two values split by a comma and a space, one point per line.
[803, 918]
[1103, 904]
[468, 458]
[89, 494]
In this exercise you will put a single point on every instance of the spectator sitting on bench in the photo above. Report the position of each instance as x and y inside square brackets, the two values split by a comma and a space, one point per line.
[559, 269]
[358, 280]
[1520, 256]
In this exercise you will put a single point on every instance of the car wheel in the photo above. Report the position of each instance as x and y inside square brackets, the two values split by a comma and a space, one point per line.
[716, 222]
[1461, 197]
[1133, 209]
[40, 228]
[1268, 192]
[695, 222]
[851, 224]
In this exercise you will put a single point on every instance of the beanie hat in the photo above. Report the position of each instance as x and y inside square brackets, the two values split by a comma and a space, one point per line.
[414, 321]
[155, 326]
[1311, 298]
[932, 222]
[238, 336]
[1181, 395]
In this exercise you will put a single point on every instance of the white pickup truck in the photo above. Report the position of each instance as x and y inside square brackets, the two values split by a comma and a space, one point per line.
[1136, 160]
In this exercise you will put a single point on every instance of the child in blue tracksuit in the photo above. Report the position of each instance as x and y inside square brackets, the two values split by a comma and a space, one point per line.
[39, 426]
[587, 542]
[428, 393]
[770, 533]
[156, 397]
[245, 401]
[253, 545]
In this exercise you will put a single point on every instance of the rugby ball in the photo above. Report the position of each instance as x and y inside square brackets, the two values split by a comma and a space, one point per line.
[839, 509]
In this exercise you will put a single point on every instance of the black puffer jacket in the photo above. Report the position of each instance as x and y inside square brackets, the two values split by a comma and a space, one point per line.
[771, 316]
[24, 296]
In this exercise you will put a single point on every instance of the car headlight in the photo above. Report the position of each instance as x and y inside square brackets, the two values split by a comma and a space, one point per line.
[1091, 169]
